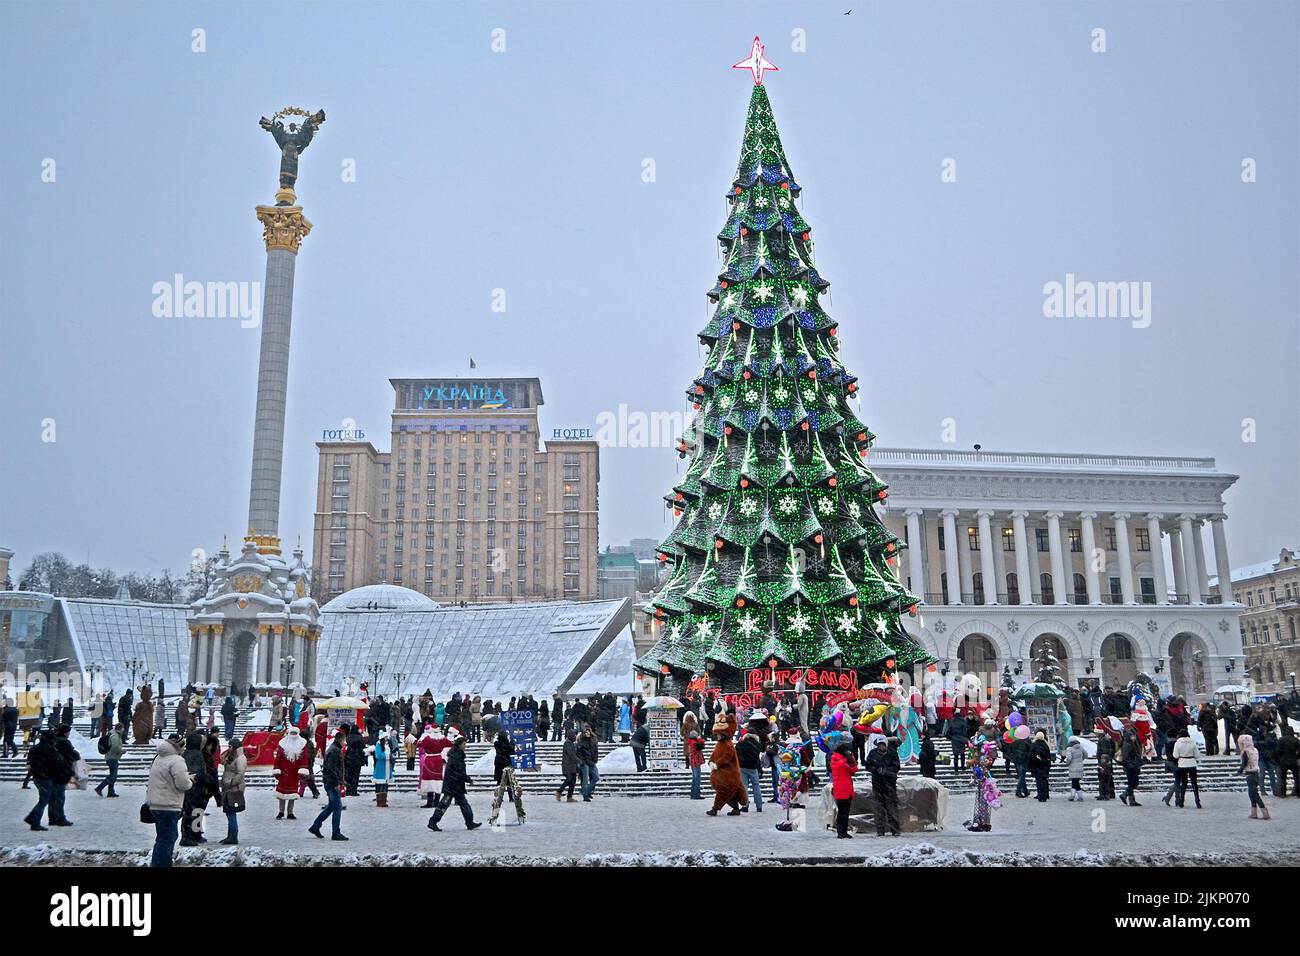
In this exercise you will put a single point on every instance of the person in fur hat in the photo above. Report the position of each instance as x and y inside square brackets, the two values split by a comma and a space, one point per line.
[290, 767]
[382, 757]
[724, 767]
[431, 748]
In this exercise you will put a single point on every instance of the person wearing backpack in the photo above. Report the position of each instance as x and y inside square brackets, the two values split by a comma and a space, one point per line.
[110, 745]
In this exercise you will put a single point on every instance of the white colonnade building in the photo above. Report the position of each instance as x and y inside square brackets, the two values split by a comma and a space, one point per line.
[1104, 556]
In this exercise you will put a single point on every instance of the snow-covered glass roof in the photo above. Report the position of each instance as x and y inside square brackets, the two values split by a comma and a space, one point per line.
[496, 650]
[109, 633]
[612, 671]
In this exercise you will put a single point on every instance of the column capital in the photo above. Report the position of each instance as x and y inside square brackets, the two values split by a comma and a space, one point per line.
[1186, 516]
[283, 227]
[1022, 515]
[914, 512]
[1089, 515]
[1218, 519]
[1121, 515]
[1155, 516]
[984, 513]
[950, 512]
[1055, 515]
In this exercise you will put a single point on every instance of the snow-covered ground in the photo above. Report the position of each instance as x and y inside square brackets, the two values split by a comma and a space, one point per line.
[670, 831]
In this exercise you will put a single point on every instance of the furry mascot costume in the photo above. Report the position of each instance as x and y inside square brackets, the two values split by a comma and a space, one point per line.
[725, 768]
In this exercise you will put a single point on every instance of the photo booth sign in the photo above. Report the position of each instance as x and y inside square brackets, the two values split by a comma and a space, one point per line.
[523, 734]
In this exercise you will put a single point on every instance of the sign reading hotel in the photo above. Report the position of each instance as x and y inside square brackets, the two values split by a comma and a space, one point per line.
[461, 395]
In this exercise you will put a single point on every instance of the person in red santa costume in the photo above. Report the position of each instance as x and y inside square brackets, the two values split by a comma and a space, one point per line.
[322, 734]
[1141, 717]
[290, 766]
[430, 747]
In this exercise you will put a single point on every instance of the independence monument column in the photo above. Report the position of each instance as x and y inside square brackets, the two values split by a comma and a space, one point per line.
[283, 229]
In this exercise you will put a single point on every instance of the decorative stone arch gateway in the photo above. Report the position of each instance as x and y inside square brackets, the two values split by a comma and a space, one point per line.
[1140, 639]
[929, 643]
[1189, 650]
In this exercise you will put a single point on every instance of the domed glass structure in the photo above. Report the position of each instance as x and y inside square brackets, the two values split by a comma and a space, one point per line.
[380, 597]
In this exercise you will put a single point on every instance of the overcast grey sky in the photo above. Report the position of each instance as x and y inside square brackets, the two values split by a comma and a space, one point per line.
[522, 170]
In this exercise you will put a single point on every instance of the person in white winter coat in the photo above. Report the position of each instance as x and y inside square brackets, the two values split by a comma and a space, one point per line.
[1187, 757]
[1074, 761]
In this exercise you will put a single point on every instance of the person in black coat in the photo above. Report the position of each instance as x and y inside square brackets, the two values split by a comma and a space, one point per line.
[958, 735]
[882, 764]
[455, 779]
[505, 750]
[1018, 752]
[205, 784]
[1287, 755]
[569, 763]
[929, 755]
[333, 777]
[51, 771]
[10, 728]
[1040, 765]
[640, 741]
[749, 754]
[557, 718]
[1105, 767]
[354, 759]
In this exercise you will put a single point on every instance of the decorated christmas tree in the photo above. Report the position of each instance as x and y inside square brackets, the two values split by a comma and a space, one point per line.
[1047, 666]
[778, 551]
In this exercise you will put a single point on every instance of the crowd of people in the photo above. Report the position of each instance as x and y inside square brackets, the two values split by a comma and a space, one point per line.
[193, 767]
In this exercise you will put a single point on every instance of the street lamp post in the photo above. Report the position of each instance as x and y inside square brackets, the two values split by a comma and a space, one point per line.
[286, 670]
[134, 665]
[400, 677]
[376, 668]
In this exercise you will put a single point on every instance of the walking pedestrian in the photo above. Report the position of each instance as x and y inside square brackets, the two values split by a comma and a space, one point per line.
[749, 753]
[111, 746]
[1250, 767]
[169, 782]
[1074, 761]
[1288, 760]
[570, 762]
[234, 768]
[229, 710]
[354, 758]
[1186, 759]
[455, 780]
[588, 755]
[205, 786]
[958, 734]
[507, 782]
[693, 744]
[1105, 767]
[432, 747]
[1130, 758]
[332, 778]
[49, 770]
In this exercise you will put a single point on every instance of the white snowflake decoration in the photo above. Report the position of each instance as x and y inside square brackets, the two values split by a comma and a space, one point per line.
[724, 401]
[761, 200]
[715, 511]
[781, 393]
[751, 396]
[855, 510]
[704, 628]
[846, 623]
[787, 506]
[747, 626]
[799, 296]
[881, 626]
[729, 299]
[763, 291]
[748, 507]
[799, 622]
[826, 506]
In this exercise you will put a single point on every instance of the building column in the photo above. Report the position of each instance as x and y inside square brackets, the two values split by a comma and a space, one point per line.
[297, 649]
[1221, 559]
[1023, 575]
[1191, 572]
[1180, 569]
[915, 539]
[950, 555]
[193, 668]
[1060, 586]
[1158, 558]
[205, 643]
[277, 651]
[987, 567]
[965, 560]
[1202, 570]
[1125, 558]
[1091, 575]
[263, 654]
[214, 668]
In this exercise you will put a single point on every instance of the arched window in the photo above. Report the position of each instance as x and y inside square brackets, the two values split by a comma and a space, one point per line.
[1013, 588]
[1080, 590]
[1045, 588]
